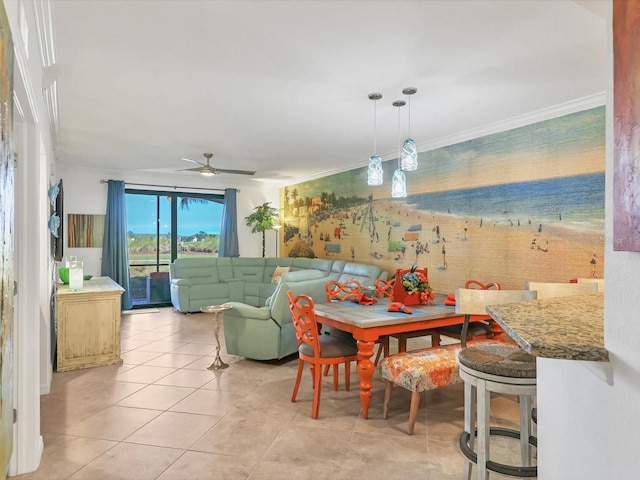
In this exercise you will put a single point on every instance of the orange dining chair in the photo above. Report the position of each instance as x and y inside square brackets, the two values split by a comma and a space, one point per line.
[477, 330]
[384, 287]
[317, 349]
[347, 291]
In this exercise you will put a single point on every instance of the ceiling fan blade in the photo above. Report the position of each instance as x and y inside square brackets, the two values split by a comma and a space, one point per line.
[196, 169]
[192, 161]
[236, 172]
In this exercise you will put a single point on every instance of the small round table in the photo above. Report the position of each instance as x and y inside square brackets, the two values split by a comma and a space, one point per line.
[216, 310]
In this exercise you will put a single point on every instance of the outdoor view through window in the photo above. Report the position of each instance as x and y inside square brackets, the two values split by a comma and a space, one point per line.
[162, 226]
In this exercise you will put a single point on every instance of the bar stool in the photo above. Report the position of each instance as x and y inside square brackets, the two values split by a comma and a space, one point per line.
[499, 368]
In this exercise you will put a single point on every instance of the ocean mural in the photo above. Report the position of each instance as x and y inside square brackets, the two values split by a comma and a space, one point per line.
[524, 204]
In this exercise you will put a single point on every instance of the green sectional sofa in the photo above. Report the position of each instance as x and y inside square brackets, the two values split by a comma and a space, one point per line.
[259, 324]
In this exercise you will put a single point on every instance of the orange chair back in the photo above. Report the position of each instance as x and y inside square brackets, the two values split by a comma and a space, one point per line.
[304, 320]
[384, 288]
[475, 284]
[348, 290]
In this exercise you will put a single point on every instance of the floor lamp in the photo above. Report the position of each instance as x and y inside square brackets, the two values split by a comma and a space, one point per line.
[277, 228]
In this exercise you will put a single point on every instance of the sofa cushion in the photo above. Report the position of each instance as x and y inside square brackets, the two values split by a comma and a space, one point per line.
[365, 274]
[202, 292]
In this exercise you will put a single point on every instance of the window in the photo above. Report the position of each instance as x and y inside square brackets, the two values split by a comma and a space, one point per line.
[162, 226]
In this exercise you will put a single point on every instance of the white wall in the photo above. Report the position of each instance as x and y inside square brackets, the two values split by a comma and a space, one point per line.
[84, 194]
[588, 413]
[33, 267]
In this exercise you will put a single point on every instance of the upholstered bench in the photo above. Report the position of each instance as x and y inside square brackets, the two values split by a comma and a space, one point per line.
[420, 370]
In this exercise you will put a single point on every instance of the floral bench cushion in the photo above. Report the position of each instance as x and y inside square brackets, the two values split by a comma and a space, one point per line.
[427, 368]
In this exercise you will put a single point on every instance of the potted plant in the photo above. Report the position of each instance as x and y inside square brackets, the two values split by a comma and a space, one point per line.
[264, 217]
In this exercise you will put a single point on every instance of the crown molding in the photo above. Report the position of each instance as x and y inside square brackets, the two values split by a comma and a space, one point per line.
[573, 106]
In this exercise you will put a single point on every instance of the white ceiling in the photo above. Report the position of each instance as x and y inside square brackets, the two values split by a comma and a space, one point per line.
[280, 87]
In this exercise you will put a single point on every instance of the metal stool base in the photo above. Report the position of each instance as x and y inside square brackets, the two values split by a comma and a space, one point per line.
[511, 470]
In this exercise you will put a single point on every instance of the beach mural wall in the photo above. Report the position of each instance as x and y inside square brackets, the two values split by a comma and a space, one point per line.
[523, 204]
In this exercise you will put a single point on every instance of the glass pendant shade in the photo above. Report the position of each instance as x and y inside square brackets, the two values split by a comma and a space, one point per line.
[375, 175]
[375, 172]
[399, 184]
[409, 161]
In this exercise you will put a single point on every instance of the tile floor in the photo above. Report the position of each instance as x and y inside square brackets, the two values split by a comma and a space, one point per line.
[162, 415]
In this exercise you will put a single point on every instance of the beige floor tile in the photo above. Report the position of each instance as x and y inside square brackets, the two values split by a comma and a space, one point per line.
[240, 423]
[144, 374]
[207, 466]
[174, 360]
[162, 346]
[150, 335]
[186, 378]
[128, 461]
[196, 349]
[138, 357]
[207, 402]
[64, 455]
[113, 423]
[174, 429]
[158, 397]
[285, 469]
[390, 471]
[128, 344]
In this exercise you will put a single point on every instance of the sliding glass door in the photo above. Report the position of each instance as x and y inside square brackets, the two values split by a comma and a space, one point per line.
[163, 226]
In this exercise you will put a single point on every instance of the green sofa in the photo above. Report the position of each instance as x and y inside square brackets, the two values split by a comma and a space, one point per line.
[259, 324]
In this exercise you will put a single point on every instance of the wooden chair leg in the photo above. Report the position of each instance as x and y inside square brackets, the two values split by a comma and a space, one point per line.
[413, 410]
[317, 380]
[347, 375]
[402, 344]
[326, 370]
[387, 399]
[435, 339]
[336, 379]
[383, 348]
[298, 377]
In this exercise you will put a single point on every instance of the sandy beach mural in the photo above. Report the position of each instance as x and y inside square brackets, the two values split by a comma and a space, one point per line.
[524, 204]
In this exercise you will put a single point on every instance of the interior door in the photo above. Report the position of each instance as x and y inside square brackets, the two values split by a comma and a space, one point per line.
[6, 245]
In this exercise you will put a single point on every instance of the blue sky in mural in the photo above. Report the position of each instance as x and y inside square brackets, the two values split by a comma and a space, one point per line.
[141, 216]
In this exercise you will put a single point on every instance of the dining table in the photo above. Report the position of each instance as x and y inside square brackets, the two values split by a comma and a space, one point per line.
[367, 323]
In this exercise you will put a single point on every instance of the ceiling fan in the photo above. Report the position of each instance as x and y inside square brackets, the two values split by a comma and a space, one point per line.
[209, 171]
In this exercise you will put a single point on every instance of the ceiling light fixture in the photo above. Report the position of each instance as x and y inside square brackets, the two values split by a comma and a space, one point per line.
[399, 182]
[375, 174]
[409, 161]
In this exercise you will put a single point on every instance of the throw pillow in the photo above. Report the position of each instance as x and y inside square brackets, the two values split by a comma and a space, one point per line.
[275, 278]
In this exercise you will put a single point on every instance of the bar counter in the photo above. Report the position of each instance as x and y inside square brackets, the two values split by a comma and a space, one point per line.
[570, 328]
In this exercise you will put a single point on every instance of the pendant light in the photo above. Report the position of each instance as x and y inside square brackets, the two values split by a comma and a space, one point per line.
[409, 161]
[375, 173]
[399, 181]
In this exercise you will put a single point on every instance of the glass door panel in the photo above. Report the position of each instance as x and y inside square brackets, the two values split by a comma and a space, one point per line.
[162, 226]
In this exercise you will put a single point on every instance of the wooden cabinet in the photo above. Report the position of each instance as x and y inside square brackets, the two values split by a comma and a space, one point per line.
[89, 324]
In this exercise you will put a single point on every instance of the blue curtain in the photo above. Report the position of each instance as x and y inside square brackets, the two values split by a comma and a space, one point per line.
[229, 229]
[115, 252]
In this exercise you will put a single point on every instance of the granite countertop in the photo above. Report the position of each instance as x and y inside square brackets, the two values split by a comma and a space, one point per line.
[569, 328]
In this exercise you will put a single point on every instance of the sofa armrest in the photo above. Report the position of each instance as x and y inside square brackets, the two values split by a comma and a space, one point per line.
[248, 311]
[181, 281]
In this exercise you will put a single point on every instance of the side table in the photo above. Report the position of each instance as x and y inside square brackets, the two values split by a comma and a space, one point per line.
[217, 311]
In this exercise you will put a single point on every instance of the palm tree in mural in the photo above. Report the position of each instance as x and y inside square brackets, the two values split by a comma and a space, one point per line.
[263, 218]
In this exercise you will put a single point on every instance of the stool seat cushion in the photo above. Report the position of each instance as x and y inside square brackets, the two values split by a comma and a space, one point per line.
[502, 360]
[427, 368]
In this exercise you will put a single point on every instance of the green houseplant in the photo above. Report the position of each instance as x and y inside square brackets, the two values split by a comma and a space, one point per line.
[264, 217]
